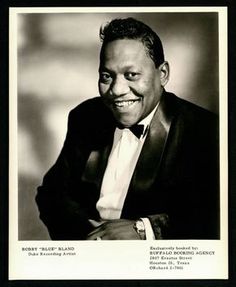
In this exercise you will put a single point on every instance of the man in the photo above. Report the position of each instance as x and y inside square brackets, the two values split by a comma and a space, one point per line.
[138, 162]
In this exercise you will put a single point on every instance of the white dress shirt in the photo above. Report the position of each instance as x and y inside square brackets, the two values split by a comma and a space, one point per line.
[122, 160]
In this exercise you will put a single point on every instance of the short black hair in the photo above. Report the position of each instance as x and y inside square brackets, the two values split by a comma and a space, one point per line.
[130, 28]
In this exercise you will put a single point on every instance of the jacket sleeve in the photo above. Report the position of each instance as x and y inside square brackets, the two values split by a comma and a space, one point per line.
[64, 217]
[159, 223]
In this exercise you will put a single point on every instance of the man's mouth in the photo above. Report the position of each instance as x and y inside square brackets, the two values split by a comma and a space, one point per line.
[124, 104]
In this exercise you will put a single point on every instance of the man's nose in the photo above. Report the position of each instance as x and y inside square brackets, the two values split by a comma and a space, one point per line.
[119, 87]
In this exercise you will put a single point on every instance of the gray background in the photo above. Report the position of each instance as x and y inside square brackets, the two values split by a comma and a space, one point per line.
[57, 69]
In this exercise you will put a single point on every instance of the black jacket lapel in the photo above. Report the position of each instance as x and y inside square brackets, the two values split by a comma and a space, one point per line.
[97, 161]
[150, 158]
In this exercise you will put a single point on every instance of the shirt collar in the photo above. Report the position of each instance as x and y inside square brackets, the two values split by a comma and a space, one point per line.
[146, 122]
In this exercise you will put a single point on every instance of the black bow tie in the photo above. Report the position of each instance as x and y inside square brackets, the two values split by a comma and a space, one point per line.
[137, 130]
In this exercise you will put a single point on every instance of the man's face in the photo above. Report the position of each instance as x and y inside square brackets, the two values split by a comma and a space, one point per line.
[129, 82]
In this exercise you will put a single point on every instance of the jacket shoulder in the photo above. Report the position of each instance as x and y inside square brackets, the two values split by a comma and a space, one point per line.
[89, 120]
[93, 105]
[190, 111]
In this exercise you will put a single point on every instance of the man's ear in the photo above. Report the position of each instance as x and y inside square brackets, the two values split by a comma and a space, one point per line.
[164, 73]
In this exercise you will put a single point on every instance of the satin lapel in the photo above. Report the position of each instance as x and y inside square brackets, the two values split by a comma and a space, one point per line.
[152, 151]
[97, 161]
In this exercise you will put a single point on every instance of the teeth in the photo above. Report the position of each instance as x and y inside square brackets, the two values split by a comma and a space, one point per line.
[124, 103]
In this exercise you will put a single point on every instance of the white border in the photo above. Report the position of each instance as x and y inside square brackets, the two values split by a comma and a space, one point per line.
[131, 260]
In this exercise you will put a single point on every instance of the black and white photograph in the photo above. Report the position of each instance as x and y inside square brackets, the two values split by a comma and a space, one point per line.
[119, 117]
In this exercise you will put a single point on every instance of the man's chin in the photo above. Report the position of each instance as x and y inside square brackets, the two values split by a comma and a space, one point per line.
[126, 123]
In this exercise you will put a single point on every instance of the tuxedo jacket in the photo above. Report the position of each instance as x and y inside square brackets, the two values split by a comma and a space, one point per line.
[175, 182]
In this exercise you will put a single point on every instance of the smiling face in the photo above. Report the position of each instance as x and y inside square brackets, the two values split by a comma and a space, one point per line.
[129, 82]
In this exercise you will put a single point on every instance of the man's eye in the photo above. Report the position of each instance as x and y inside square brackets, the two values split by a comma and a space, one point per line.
[132, 76]
[104, 77]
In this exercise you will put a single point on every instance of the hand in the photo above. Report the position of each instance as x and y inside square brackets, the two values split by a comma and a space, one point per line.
[118, 229]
